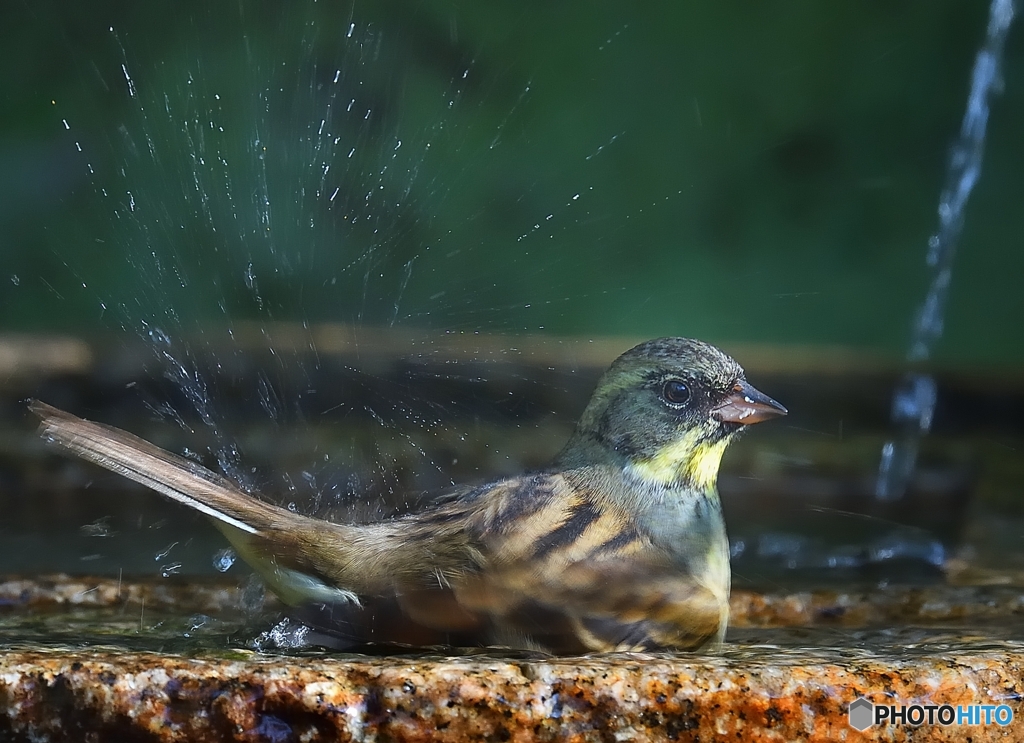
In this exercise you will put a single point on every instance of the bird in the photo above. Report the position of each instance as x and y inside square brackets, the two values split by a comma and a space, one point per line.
[619, 544]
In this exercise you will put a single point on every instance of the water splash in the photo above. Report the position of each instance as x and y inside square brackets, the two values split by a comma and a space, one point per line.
[296, 194]
[285, 635]
[914, 399]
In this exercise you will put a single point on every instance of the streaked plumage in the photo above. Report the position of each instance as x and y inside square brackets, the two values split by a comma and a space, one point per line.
[619, 544]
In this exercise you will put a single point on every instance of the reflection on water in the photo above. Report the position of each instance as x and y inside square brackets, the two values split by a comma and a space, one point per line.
[233, 636]
[801, 552]
[802, 645]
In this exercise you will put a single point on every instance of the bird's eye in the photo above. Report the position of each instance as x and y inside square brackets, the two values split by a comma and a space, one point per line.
[676, 392]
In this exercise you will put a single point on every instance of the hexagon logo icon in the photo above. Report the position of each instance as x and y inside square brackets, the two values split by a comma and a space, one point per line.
[862, 714]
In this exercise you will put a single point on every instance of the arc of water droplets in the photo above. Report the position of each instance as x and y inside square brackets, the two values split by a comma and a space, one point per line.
[914, 399]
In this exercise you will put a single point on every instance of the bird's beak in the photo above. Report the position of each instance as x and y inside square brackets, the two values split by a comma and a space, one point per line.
[746, 405]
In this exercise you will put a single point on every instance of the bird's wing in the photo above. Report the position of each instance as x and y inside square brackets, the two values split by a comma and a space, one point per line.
[560, 554]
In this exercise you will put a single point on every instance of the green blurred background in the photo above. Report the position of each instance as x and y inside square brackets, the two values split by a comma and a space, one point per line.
[734, 171]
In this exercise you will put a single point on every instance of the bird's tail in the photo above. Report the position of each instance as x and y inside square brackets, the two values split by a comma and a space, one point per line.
[280, 545]
[175, 477]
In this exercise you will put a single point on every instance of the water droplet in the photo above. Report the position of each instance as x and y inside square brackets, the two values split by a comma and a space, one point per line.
[253, 594]
[166, 551]
[98, 528]
[15, 280]
[171, 568]
[250, 278]
[224, 559]
[197, 621]
[158, 336]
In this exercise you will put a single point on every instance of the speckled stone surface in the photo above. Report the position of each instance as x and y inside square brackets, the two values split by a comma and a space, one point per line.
[51, 696]
[792, 665]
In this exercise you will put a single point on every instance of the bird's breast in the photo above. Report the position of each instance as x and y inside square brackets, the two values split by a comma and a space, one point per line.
[689, 527]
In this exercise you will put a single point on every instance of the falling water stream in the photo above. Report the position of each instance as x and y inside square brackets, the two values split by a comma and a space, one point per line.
[913, 402]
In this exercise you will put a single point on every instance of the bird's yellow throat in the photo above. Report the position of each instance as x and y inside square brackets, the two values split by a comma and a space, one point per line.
[690, 459]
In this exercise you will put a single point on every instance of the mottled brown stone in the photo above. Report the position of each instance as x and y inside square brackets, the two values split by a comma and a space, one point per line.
[753, 692]
[48, 696]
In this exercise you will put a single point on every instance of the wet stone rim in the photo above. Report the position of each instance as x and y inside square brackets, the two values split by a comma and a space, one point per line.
[878, 607]
[54, 696]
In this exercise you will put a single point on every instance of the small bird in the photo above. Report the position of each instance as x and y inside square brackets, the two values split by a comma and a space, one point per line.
[618, 545]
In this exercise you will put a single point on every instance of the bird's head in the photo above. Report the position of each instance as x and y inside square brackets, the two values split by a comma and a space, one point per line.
[666, 410]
